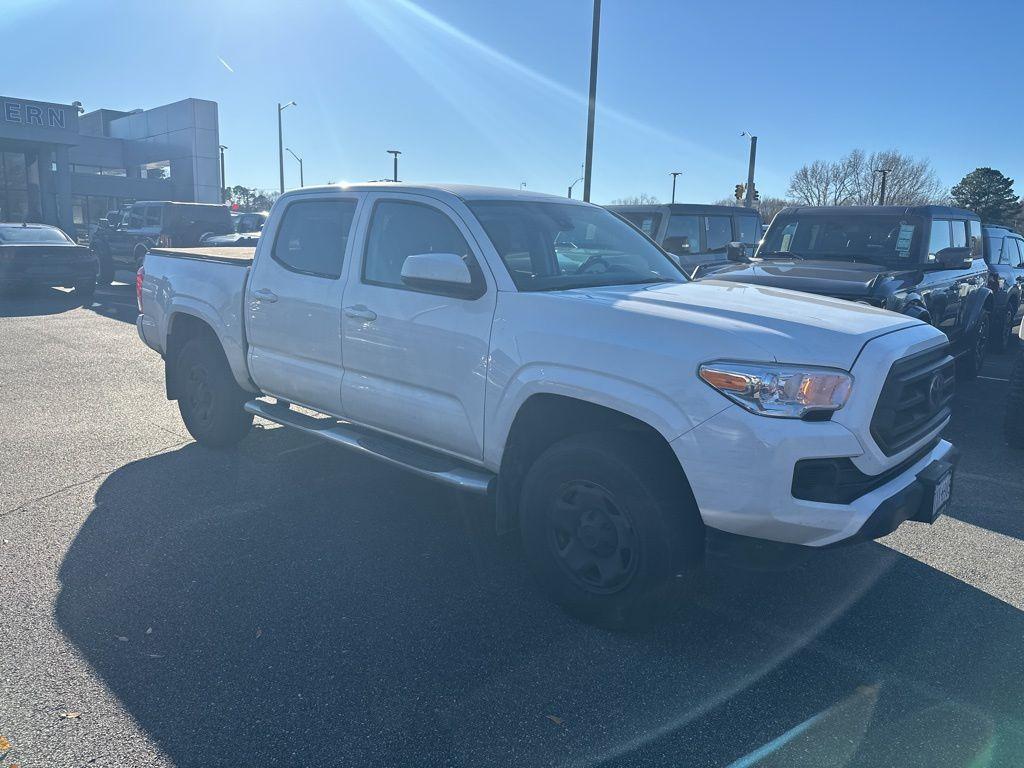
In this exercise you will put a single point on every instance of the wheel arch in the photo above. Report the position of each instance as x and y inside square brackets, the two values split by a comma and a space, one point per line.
[184, 324]
[545, 418]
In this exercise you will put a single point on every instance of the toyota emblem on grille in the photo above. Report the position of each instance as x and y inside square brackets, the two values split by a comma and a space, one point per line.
[935, 391]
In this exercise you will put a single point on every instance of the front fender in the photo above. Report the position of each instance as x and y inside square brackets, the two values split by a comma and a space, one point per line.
[974, 307]
[632, 398]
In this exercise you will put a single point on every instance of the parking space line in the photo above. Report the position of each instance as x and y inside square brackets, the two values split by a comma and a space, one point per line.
[992, 378]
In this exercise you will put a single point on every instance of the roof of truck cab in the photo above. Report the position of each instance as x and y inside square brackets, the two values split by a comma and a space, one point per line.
[877, 210]
[466, 192]
[727, 210]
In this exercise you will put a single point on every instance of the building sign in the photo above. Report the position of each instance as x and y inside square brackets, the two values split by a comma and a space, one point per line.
[37, 114]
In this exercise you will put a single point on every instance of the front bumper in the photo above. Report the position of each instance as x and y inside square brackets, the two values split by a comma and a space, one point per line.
[753, 497]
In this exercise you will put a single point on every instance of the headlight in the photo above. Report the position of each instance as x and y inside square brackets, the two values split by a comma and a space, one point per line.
[784, 391]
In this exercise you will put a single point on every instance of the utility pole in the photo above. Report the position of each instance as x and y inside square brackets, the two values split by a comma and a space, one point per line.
[280, 140]
[674, 174]
[885, 172]
[749, 201]
[594, 40]
[223, 181]
[395, 153]
[302, 181]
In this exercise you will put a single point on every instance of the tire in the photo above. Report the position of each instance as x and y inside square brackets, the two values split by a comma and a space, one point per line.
[1002, 339]
[970, 362]
[210, 402]
[610, 529]
[106, 265]
[85, 290]
[1013, 425]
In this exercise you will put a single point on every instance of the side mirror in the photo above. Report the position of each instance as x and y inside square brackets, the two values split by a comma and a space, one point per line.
[736, 252]
[439, 272]
[954, 258]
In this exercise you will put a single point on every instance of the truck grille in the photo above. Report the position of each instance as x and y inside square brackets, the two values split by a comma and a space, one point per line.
[915, 399]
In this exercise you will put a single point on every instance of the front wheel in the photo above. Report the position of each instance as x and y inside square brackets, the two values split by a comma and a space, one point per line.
[210, 401]
[105, 275]
[610, 529]
[1003, 337]
[970, 362]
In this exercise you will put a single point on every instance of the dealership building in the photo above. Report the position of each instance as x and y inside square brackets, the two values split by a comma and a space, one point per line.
[62, 165]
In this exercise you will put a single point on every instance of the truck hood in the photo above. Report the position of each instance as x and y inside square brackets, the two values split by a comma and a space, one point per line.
[831, 278]
[785, 326]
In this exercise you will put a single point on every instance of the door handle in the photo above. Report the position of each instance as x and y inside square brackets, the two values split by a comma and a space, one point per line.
[265, 294]
[360, 313]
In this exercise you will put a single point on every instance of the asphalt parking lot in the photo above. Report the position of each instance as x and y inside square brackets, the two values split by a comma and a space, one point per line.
[290, 604]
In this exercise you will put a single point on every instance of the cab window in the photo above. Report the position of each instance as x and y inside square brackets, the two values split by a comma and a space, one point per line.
[683, 235]
[312, 236]
[977, 244]
[135, 216]
[719, 233]
[959, 234]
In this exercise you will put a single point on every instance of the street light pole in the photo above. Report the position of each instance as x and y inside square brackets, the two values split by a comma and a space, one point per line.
[280, 140]
[885, 172]
[302, 181]
[592, 106]
[573, 185]
[223, 181]
[749, 202]
[395, 153]
[674, 174]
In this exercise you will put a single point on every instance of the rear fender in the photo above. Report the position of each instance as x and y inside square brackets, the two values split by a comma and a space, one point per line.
[232, 343]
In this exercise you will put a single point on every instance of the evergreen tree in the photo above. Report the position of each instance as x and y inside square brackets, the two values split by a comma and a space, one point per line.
[989, 194]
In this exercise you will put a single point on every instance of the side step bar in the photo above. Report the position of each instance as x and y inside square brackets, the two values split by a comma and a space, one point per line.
[416, 459]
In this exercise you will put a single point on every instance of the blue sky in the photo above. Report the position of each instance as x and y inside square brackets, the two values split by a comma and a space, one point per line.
[487, 92]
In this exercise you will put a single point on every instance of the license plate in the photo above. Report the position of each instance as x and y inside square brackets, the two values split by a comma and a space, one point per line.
[941, 495]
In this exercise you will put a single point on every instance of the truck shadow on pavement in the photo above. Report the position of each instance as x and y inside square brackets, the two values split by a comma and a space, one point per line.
[291, 604]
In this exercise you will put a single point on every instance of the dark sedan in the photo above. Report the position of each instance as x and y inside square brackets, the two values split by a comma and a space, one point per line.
[40, 255]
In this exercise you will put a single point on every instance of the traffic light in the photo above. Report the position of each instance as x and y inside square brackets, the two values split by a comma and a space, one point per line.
[757, 195]
[740, 189]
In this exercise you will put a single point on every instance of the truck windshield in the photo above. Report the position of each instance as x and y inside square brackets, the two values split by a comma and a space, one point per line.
[878, 239]
[558, 246]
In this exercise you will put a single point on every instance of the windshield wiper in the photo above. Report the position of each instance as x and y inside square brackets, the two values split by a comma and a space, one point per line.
[779, 255]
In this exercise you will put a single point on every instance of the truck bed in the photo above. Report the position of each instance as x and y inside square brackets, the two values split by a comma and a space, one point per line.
[240, 256]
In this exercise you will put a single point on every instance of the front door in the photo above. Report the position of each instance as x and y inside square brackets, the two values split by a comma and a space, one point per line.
[416, 360]
[293, 302]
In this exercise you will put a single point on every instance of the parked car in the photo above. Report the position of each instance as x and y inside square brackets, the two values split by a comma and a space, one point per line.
[1004, 252]
[924, 261]
[248, 221]
[41, 255]
[697, 236]
[143, 225]
[544, 353]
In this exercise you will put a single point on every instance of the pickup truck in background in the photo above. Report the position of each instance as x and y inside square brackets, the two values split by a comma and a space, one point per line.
[545, 354]
[924, 261]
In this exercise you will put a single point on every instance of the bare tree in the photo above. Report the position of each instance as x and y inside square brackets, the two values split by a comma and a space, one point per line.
[853, 180]
[642, 199]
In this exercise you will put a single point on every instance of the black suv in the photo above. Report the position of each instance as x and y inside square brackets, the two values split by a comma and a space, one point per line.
[1004, 252]
[121, 244]
[924, 261]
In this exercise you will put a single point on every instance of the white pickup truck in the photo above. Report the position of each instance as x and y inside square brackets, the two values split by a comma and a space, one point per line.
[543, 352]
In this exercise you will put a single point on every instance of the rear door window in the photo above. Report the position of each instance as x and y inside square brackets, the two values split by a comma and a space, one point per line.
[645, 222]
[313, 235]
[683, 235]
[977, 244]
[719, 233]
[959, 233]
[939, 237]
[748, 229]
[135, 216]
[152, 218]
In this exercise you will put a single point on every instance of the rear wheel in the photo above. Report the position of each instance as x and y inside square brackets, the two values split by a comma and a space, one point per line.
[210, 402]
[1013, 426]
[970, 362]
[106, 264]
[1003, 337]
[610, 528]
[85, 290]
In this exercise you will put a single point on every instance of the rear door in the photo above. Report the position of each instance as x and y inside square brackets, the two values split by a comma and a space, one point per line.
[293, 301]
[123, 239]
[415, 359]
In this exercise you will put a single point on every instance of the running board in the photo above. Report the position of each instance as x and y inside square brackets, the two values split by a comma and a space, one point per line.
[416, 459]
